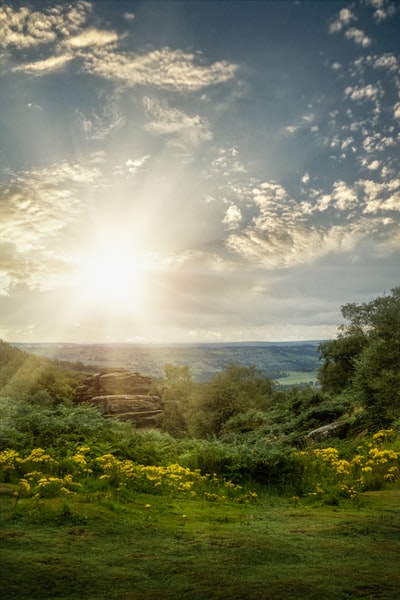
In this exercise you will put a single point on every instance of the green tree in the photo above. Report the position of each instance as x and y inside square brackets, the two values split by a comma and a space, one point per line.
[176, 389]
[377, 378]
[365, 358]
[234, 391]
[339, 356]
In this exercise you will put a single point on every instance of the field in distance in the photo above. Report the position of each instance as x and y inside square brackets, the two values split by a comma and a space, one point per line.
[288, 363]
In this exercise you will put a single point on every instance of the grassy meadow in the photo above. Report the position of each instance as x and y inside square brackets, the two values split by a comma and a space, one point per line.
[76, 523]
[157, 547]
[298, 378]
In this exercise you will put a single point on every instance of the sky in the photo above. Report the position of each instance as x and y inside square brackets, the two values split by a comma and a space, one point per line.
[196, 171]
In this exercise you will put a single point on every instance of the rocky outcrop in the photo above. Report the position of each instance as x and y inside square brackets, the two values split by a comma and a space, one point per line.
[111, 382]
[141, 410]
[122, 394]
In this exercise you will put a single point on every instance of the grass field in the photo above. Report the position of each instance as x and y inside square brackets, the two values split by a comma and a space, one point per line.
[297, 378]
[162, 548]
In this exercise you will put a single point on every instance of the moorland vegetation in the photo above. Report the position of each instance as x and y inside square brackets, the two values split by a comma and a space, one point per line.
[231, 442]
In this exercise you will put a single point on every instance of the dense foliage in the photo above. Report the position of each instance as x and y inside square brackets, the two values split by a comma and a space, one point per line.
[237, 426]
[364, 361]
[25, 377]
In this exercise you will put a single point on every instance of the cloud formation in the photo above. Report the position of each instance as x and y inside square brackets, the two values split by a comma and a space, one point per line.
[254, 180]
[26, 28]
[35, 207]
[175, 124]
[166, 68]
[61, 29]
[343, 23]
[285, 232]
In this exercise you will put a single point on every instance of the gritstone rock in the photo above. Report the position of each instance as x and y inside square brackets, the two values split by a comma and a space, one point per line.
[122, 394]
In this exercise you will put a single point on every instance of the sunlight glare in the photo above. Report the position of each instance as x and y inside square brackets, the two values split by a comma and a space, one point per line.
[112, 278]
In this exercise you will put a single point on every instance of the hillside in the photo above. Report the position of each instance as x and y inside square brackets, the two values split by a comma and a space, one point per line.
[276, 361]
[42, 380]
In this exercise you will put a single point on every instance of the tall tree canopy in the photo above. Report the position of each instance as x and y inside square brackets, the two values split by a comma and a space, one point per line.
[365, 357]
[235, 390]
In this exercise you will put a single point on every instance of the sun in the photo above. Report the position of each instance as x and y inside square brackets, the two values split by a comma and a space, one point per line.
[112, 277]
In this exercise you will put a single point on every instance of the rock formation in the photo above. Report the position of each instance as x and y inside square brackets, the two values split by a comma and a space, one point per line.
[122, 394]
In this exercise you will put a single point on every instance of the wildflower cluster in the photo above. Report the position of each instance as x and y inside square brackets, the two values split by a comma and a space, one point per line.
[171, 480]
[370, 468]
[38, 485]
[40, 475]
[13, 465]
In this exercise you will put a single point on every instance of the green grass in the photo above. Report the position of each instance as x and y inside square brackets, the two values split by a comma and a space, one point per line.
[298, 377]
[87, 549]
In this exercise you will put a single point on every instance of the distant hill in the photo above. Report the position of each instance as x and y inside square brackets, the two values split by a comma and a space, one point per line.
[286, 362]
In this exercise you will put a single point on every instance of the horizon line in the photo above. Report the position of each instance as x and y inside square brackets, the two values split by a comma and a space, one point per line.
[198, 343]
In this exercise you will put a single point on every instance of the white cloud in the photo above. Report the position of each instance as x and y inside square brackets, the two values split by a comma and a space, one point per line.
[276, 245]
[374, 165]
[396, 111]
[384, 9]
[227, 162]
[35, 206]
[376, 142]
[72, 48]
[291, 129]
[92, 38]
[368, 92]
[343, 195]
[345, 17]
[53, 63]
[284, 232]
[174, 123]
[165, 68]
[25, 28]
[358, 36]
[128, 16]
[132, 166]
[380, 196]
[60, 25]
[61, 28]
[232, 217]
[304, 122]
[387, 61]
[343, 22]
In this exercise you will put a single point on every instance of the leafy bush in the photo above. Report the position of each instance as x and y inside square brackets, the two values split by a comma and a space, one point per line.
[24, 426]
[234, 391]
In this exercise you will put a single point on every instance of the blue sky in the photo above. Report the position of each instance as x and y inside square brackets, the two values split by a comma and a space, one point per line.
[196, 171]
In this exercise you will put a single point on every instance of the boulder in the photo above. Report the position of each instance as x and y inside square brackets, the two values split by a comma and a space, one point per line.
[122, 394]
[332, 430]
